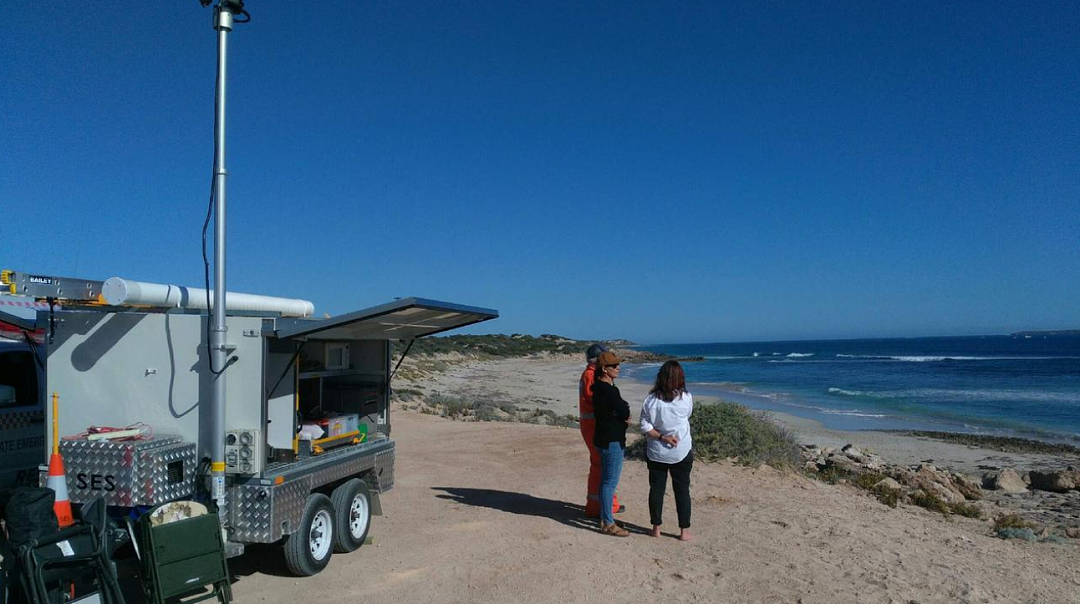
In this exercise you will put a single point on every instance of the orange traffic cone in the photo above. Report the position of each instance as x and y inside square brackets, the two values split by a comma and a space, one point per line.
[58, 483]
[57, 480]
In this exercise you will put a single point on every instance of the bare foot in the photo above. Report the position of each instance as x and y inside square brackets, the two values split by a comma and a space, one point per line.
[655, 532]
[684, 535]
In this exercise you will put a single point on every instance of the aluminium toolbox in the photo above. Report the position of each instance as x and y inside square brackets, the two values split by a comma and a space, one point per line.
[149, 472]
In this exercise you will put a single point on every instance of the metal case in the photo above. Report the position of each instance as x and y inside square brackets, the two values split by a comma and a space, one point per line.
[143, 472]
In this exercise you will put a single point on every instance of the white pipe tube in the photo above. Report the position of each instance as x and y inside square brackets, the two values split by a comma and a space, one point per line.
[125, 292]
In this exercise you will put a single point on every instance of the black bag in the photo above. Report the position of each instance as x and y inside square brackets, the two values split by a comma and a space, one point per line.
[30, 516]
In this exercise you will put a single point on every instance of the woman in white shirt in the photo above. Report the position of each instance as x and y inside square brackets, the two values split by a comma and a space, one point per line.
[665, 422]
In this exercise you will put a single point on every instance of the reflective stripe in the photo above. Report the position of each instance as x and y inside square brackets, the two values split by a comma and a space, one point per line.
[593, 497]
[587, 416]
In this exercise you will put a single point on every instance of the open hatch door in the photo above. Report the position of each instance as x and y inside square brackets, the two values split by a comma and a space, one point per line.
[403, 319]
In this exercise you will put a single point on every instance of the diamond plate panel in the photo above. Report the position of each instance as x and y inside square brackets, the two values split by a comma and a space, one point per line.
[264, 514]
[384, 470]
[344, 469]
[145, 472]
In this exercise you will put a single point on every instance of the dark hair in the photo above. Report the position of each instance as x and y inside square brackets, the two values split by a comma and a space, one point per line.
[670, 382]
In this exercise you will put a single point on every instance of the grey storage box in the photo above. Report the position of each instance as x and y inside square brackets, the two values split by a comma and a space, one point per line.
[147, 472]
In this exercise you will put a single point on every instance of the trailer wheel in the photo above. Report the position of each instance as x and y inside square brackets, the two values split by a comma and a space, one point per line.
[308, 550]
[352, 515]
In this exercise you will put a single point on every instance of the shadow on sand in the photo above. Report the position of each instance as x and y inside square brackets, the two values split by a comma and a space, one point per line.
[528, 505]
[265, 558]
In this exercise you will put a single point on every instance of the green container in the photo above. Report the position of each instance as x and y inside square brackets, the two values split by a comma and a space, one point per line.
[183, 558]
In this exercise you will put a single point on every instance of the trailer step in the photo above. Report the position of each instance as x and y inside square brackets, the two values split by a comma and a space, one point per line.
[233, 549]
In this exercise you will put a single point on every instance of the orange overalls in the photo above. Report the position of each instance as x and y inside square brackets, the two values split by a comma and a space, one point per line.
[588, 428]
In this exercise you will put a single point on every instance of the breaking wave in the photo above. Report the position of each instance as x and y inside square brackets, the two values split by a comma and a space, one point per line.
[944, 394]
[931, 359]
[843, 392]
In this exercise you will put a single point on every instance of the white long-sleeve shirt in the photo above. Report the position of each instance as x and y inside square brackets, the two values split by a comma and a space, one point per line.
[667, 418]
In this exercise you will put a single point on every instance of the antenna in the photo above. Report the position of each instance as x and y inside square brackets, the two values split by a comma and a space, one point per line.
[225, 14]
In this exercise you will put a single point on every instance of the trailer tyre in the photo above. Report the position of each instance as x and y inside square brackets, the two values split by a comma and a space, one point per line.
[308, 550]
[352, 515]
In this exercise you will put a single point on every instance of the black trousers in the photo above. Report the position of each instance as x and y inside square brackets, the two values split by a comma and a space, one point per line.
[680, 483]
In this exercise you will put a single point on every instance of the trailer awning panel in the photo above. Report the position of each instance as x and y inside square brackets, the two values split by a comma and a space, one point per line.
[403, 319]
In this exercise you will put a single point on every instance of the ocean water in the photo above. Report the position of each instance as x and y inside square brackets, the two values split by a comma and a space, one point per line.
[1001, 385]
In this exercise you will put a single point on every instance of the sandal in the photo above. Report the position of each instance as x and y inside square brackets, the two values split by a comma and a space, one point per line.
[614, 530]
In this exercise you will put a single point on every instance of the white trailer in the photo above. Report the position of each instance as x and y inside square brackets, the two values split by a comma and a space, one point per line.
[119, 367]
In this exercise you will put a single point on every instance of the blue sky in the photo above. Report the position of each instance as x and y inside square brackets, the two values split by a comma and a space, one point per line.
[658, 171]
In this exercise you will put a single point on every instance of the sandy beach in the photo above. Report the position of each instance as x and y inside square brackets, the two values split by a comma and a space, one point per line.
[492, 512]
[551, 383]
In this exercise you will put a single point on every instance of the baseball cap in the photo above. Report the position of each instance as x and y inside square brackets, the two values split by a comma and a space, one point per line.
[608, 358]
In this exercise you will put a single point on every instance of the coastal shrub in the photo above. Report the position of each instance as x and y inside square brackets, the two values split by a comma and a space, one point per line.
[868, 480]
[1016, 533]
[728, 430]
[832, 475]
[887, 496]
[459, 408]
[406, 395]
[635, 449]
[968, 510]
[931, 502]
[1012, 521]
[491, 346]
[486, 413]
[1058, 539]
[455, 408]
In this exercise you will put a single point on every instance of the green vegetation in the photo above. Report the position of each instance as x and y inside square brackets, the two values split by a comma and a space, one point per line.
[968, 510]
[493, 346]
[934, 503]
[1025, 534]
[497, 346]
[889, 497]
[407, 394]
[1012, 526]
[464, 409]
[832, 475]
[728, 430]
[931, 502]
[1007, 444]
[868, 480]
[1012, 521]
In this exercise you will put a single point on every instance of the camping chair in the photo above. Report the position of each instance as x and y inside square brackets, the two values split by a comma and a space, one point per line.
[180, 559]
[71, 561]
